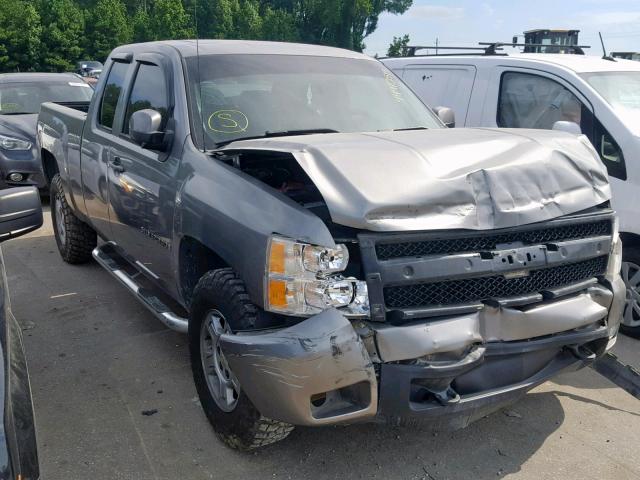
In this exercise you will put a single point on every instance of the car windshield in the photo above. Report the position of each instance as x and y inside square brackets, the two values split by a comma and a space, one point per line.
[242, 96]
[622, 91]
[22, 98]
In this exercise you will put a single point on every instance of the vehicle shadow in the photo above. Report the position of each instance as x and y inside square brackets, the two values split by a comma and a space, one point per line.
[494, 446]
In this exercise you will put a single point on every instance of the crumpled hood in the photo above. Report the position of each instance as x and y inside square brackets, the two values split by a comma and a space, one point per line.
[447, 178]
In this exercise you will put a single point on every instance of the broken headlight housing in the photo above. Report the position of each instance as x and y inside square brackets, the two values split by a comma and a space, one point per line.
[304, 279]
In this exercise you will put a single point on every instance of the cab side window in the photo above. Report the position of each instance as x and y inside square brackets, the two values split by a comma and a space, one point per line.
[532, 101]
[149, 91]
[111, 94]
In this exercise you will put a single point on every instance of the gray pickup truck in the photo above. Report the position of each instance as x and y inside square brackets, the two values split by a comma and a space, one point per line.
[333, 251]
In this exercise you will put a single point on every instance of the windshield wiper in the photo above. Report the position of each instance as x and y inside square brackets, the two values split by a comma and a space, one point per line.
[284, 133]
[409, 128]
[17, 113]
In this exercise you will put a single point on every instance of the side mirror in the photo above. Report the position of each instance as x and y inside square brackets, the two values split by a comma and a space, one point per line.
[447, 115]
[20, 212]
[569, 127]
[144, 128]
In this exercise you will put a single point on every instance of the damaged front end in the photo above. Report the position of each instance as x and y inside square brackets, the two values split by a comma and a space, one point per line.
[459, 277]
[459, 324]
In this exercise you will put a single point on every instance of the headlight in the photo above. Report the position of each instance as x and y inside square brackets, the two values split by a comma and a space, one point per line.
[303, 279]
[10, 143]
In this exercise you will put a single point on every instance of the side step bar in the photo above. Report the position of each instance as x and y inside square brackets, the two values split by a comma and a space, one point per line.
[153, 303]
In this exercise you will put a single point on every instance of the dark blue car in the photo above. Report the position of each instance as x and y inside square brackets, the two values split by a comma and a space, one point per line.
[20, 97]
[20, 213]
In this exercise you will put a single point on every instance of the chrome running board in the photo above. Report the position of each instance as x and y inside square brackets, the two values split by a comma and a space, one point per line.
[156, 306]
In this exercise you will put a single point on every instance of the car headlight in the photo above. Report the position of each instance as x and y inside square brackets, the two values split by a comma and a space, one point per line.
[10, 143]
[304, 279]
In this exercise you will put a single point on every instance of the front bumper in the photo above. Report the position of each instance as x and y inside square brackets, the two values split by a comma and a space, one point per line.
[448, 371]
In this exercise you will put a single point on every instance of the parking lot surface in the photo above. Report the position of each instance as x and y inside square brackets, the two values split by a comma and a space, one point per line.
[114, 399]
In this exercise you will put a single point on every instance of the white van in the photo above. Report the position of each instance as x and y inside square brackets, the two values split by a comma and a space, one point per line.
[601, 97]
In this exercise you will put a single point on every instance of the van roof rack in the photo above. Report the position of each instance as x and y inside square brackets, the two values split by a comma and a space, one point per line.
[491, 47]
[487, 48]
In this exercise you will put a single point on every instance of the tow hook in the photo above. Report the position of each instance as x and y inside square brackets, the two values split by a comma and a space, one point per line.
[582, 352]
[437, 384]
[447, 397]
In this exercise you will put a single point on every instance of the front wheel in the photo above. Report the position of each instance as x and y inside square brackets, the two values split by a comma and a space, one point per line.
[631, 276]
[221, 306]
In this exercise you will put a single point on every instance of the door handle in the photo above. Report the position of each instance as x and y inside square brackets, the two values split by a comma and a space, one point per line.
[116, 165]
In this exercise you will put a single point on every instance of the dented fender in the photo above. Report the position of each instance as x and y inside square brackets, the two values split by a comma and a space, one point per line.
[280, 371]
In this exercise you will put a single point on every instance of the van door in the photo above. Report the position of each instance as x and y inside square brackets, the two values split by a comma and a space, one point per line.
[443, 85]
[528, 98]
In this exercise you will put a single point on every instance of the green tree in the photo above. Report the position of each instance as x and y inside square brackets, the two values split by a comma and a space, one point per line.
[141, 26]
[279, 25]
[398, 47]
[107, 27]
[20, 31]
[63, 23]
[248, 20]
[341, 23]
[168, 20]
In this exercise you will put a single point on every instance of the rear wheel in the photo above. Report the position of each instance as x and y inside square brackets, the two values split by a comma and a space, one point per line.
[75, 239]
[221, 306]
[631, 276]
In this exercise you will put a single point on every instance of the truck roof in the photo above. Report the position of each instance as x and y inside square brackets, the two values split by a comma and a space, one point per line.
[577, 63]
[38, 77]
[187, 48]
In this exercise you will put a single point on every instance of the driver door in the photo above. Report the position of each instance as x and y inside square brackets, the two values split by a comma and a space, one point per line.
[141, 182]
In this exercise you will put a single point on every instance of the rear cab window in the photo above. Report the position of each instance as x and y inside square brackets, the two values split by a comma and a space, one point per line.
[111, 94]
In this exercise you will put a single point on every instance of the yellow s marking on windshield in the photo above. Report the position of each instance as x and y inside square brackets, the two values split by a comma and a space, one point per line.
[228, 121]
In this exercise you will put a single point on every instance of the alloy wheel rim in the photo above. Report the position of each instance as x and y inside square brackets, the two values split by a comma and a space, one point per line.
[62, 232]
[221, 381]
[631, 278]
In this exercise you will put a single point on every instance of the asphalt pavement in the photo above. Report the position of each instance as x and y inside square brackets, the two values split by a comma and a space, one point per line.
[114, 399]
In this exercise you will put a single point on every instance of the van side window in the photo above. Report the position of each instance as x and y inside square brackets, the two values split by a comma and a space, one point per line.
[532, 101]
[149, 91]
[111, 94]
[609, 151]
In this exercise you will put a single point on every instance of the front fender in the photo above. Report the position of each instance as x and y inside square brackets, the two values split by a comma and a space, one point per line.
[234, 215]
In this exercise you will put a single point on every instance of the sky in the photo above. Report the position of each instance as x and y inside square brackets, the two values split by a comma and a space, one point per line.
[464, 23]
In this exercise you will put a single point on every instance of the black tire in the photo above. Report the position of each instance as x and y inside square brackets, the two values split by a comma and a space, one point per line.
[630, 255]
[78, 239]
[243, 428]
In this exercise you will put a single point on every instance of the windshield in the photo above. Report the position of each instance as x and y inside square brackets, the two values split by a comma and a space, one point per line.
[243, 96]
[22, 98]
[621, 90]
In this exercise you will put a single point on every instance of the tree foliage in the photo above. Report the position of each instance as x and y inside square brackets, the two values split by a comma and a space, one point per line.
[107, 26]
[55, 34]
[398, 47]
